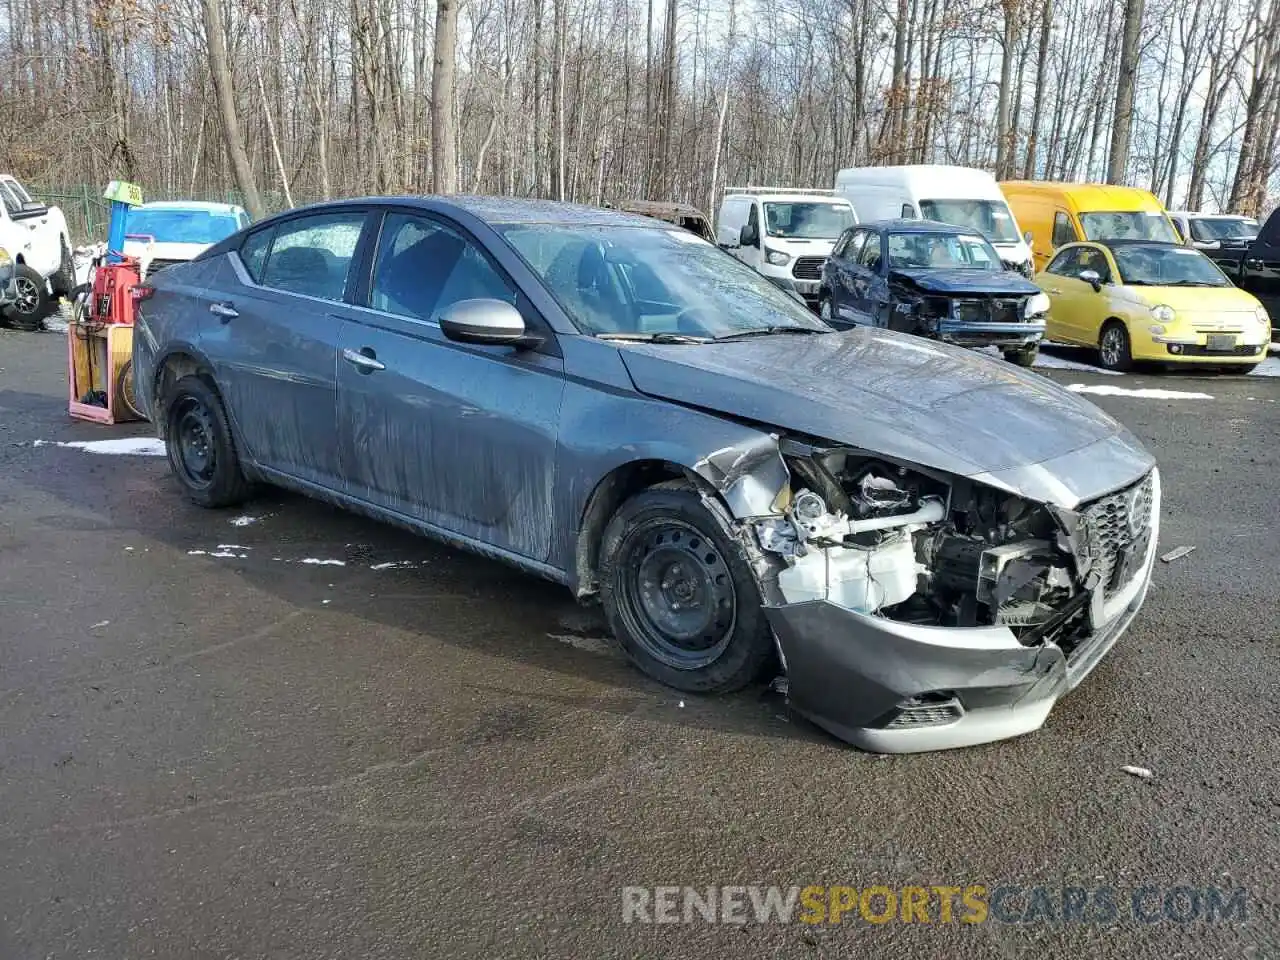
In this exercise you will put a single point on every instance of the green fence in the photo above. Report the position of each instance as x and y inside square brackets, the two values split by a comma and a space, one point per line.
[87, 212]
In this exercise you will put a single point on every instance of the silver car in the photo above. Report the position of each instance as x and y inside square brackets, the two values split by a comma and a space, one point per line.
[932, 545]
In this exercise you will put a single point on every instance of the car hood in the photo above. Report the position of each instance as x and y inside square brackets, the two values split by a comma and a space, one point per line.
[962, 281]
[1195, 301]
[897, 395]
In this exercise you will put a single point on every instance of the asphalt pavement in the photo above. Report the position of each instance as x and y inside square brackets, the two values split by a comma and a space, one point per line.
[284, 731]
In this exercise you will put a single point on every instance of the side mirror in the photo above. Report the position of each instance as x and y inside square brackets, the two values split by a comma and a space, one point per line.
[31, 208]
[1027, 238]
[749, 236]
[486, 322]
[1093, 278]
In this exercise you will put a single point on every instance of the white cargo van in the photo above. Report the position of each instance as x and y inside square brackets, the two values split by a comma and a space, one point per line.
[960, 196]
[785, 234]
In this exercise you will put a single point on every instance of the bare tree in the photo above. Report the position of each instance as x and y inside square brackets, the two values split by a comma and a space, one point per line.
[1122, 124]
[444, 134]
[220, 70]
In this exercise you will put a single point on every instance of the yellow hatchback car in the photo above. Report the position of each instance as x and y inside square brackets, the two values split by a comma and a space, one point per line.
[1142, 300]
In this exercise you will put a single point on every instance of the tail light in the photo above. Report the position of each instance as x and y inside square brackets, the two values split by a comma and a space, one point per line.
[142, 291]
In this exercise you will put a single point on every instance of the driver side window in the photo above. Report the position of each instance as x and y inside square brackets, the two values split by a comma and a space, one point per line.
[1065, 264]
[871, 253]
[1096, 261]
[1063, 231]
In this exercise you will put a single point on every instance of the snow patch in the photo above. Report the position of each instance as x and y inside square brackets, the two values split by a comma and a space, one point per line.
[1145, 393]
[232, 546]
[243, 521]
[122, 446]
[324, 563]
[589, 644]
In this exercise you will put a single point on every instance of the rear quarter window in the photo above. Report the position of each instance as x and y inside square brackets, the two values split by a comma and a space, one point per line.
[253, 252]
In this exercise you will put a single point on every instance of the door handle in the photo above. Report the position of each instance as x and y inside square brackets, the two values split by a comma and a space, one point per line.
[364, 359]
[224, 311]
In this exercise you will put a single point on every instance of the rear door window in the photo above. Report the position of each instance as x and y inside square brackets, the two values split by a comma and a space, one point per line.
[312, 255]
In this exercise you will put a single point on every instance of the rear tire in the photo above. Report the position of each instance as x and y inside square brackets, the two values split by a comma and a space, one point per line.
[1113, 347]
[28, 310]
[1024, 357]
[679, 594]
[199, 444]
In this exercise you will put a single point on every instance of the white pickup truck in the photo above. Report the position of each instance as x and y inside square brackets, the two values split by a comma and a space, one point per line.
[35, 236]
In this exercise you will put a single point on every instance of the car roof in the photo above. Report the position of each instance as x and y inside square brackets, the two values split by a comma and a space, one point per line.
[919, 226]
[191, 205]
[658, 208]
[502, 210]
[1090, 197]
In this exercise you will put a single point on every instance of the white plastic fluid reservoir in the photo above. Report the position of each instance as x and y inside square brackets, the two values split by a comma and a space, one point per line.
[857, 578]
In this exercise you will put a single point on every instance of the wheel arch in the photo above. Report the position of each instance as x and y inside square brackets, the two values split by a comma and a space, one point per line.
[178, 361]
[611, 492]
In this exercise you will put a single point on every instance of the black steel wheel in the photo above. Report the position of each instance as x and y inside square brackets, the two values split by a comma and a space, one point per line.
[679, 594]
[200, 448]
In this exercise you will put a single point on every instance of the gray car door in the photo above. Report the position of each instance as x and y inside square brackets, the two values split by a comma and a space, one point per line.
[458, 436]
[273, 341]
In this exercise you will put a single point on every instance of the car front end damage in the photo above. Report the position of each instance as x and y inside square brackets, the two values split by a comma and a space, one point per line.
[915, 610]
[967, 317]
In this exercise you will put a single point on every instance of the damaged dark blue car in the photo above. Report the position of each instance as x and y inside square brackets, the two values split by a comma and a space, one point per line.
[933, 280]
[933, 546]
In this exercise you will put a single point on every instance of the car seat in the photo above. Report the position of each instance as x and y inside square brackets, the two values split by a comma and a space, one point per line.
[299, 270]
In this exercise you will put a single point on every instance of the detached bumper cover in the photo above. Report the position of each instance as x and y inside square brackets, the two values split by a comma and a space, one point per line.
[965, 333]
[851, 673]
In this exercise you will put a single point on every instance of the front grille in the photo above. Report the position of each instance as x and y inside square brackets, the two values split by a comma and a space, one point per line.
[1112, 525]
[990, 310]
[926, 710]
[1196, 350]
[808, 268]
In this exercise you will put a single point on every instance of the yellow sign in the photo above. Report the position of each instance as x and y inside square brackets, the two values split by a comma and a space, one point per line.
[121, 192]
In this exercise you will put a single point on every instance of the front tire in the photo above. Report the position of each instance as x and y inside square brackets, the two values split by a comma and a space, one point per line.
[679, 594]
[201, 452]
[1114, 350]
[32, 302]
[1024, 356]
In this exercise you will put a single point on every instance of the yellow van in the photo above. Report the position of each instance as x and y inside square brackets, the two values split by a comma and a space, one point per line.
[1055, 214]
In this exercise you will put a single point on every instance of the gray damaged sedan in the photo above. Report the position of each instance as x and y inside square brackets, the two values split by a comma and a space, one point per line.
[932, 545]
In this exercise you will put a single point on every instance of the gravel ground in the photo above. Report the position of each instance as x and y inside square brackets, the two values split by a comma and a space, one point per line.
[289, 732]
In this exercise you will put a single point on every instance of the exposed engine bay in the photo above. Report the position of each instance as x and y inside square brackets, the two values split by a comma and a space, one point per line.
[907, 544]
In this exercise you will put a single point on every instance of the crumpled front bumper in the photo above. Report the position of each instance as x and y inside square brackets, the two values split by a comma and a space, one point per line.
[853, 673]
[966, 334]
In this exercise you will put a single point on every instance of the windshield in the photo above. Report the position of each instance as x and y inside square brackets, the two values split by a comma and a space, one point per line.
[1135, 225]
[653, 281]
[807, 220]
[1208, 229]
[941, 251]
[991, 218]
[1149, 265]
[181, 226]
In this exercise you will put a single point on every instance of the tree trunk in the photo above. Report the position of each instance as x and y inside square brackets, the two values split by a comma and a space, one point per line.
[444, 135]
[1037, 106]
[220, 69]
[1122, 124]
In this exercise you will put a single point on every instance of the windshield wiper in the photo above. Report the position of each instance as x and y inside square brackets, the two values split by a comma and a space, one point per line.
[1191, 283]
[652, 337]
[768, 332]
